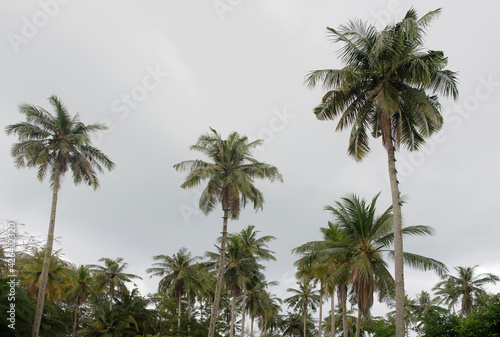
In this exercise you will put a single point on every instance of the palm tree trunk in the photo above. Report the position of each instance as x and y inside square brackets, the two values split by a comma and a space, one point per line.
[320, 308]
[179, 308]
[111, 294]
[243, 311]
[233, 309]
[332, 327]
[358, 323]
[74, 320]
[398, 240]
[48, 253]
[190, 308]
[251, 325]
[218, 287]
[343, 296]
[305, 320]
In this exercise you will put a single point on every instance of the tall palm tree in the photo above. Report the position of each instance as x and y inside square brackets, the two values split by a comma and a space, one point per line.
[467, 285]
[179, 275]
[56, 144]
[112, 275]
[305, 297]
[230, 176]
[388, 87]
[80, 288]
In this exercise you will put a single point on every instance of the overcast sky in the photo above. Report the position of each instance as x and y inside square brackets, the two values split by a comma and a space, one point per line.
[160, 73]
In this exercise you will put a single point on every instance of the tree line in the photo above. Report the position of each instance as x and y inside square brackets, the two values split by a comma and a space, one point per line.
[102, 300]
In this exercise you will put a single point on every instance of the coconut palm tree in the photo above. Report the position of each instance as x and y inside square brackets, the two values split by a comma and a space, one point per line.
[112, 275]
[134, 306]
[332, 267]
[240, 268]
[293, 325]
[80, 288]
[56, 144]
[305, 297]
[256, 248]
[388, 87]
[30, 270]
[230, 176]
[467, 286]
[179, 275]
[363, 239]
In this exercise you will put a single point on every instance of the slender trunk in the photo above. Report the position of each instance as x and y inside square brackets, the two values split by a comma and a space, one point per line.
[332, 327]
[320, 308]
[179, 308]
[343, 289]
[111, 294]
[251, 325]
[75, 318]
[358, 323]
[233, 309]
[46, 259]
[218, 287]
[398, 240]
[243, 312]
[190, 307]
[305, 321]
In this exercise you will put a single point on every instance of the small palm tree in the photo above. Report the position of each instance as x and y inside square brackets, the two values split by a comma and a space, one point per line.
[230, 176]
[360, 245]
[80, 288]
[305, 297]
[112, 275]
[30, 270]
[388, 88]
[256, 248]
[56, 144]
[179, 275]
[466, 285]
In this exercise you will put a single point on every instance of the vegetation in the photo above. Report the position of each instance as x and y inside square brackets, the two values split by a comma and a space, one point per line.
[56, 144]
[388, 88]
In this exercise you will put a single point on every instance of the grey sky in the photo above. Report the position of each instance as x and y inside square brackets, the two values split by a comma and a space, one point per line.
[159, 73]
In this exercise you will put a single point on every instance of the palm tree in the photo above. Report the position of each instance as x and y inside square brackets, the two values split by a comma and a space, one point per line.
[31, 267]
[80, 288]
[304, 297]
[294, 325]
[134, 306]
[112, 274]
[240, 268]
[364, 237]
[466, 285]
[388, 87]
[56, 144]
[179, 275]
[333, 267]
[256, 248]
[422, 305]
[230, 178]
